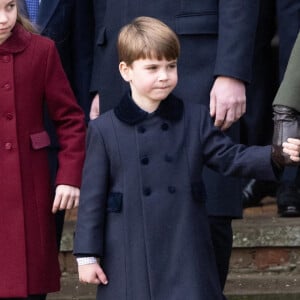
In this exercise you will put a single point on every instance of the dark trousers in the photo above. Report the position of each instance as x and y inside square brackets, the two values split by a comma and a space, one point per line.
[221, 232]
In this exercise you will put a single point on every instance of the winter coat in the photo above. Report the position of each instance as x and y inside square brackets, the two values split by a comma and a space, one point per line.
[142, 205]
[31, 76]
[216, 39]
[289, 90]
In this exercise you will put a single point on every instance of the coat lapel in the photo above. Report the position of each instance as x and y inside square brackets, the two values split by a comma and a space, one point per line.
[47, 8]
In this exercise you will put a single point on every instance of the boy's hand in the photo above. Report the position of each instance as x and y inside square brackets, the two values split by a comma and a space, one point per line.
[292, 148]
[66, 197]
[92, 273]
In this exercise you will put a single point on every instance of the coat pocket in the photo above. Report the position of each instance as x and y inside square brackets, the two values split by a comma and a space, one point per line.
[114, 203]
[40, 140]
[192, 24]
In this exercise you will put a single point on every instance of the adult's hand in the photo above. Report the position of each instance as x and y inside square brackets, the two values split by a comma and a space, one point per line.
[227, 101]
[95, 107]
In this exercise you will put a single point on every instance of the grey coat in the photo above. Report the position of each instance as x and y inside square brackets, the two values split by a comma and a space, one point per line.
[142, 206]
[289, 91]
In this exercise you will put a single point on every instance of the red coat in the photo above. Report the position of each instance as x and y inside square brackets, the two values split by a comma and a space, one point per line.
[30, 76]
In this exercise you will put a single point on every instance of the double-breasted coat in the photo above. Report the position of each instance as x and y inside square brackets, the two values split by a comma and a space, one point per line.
[31, 76]
[217, 39]
[142, 206]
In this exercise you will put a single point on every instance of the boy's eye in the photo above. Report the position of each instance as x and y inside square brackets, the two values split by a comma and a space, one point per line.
[172, 66]
[152, 67]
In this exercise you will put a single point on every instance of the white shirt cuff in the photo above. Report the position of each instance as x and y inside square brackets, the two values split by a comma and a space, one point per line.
[86, 260]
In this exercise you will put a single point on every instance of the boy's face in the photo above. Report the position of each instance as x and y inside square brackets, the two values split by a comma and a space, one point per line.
[151, 80]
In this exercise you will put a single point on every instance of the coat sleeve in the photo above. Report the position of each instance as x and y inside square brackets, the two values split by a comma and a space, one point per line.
[222, 155]
[68, 119]
[89, 234]
[82, 52]
[289, 91]
[237, 28]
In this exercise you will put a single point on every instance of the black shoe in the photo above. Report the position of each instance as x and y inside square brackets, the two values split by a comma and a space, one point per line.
[288, 201]
[256, 190]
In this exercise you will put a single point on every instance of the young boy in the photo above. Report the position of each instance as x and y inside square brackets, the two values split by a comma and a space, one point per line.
[142, 206]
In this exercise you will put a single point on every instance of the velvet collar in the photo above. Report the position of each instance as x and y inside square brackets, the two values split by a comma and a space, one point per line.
[17, 42]
[127, 111]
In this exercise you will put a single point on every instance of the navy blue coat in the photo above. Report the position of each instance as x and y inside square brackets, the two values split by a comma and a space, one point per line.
[142, 205]
[217, 38]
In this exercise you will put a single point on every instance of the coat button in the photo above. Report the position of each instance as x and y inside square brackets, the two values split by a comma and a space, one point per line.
[5, 58]
[9, 116]
[6, 86]
[141, 129]
[171, 189]
[145, 160]
[147, 191]
[164, 126]
[168, 158]
[8, 146]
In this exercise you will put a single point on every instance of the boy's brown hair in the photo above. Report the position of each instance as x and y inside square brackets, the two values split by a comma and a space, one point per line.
[147, 37]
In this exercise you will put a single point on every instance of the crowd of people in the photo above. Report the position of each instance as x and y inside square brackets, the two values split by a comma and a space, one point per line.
[157, 177]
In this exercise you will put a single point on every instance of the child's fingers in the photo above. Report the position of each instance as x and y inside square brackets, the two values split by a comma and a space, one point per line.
[102, 277]
[66, 197]
[294, 154]
[291, 146]
[295, 158]
[92, 273]
[76, 202]
[56, 203]
[93, 280]
[294, 141]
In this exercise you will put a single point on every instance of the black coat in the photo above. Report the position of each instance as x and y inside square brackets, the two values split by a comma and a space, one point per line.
[217, 38]
[142, 205]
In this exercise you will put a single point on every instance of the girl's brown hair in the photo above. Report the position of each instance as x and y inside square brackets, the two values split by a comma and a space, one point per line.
[24, 21]
[147, 37]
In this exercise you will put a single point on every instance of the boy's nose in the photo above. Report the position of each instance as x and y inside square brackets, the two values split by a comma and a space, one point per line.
[163, 75]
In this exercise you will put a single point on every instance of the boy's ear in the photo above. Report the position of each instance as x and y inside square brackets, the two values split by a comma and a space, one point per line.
[124, 70]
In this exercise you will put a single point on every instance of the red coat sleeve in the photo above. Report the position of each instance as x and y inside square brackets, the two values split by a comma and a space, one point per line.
[68, 119]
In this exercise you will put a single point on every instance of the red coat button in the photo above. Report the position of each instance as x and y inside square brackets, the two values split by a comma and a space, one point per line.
[5, 58]
[7, 86]
[9, 116]
[8, 146]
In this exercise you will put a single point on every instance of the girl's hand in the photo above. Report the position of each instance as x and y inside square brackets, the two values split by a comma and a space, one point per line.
[66, 197]
[92, 273]
[292, 148]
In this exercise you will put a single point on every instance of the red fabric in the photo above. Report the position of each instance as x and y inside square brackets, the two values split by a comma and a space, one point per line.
[30, 75]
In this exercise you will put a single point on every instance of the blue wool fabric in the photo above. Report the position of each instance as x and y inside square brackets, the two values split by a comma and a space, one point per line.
[33, 9]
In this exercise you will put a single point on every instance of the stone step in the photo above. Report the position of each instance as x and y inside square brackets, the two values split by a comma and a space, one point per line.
[239, 287]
